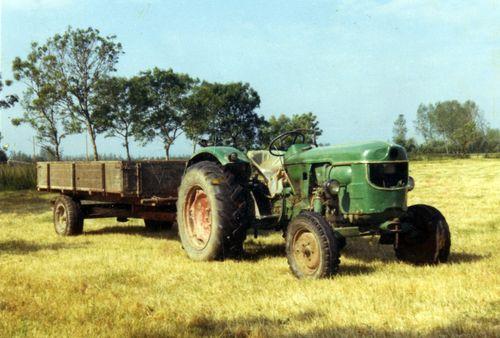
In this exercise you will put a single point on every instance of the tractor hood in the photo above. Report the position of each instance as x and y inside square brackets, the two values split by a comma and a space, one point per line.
[375, 151]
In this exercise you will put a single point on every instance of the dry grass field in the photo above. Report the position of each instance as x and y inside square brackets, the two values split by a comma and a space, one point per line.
[119, 280]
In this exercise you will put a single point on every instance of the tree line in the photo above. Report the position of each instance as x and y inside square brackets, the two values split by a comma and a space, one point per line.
[71, 88]
[449, 127]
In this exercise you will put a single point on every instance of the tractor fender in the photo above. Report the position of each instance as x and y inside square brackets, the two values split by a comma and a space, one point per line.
[219, 155]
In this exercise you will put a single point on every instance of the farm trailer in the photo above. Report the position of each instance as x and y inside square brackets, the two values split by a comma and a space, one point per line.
[121, 189]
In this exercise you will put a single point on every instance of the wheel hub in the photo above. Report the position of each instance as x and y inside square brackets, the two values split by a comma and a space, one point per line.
[61, 218]
[198, 217]
[306, 251]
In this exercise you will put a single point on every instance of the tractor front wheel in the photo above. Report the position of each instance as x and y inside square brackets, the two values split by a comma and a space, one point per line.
[429, 242]
[313, 250]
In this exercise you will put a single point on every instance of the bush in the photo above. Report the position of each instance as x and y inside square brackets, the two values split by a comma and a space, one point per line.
[17, 177]
[3, 156]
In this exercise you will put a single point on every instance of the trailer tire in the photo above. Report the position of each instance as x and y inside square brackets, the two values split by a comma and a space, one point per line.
[68, 216]
[312, 248]
[432, 244]
[213, 212]
[154, 225]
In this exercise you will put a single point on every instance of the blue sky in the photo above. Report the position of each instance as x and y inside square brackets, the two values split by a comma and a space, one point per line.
[357, 65]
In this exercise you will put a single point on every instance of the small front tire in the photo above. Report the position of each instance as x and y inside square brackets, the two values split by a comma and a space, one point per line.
[430, 243]
[313, 250]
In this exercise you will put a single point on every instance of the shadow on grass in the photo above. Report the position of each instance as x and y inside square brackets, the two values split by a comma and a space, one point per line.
[23, 202]
[203, 325]
[465, 257]
[256, 251]
[368, 250]
[134, 230]
[263, 326]
[21, 247]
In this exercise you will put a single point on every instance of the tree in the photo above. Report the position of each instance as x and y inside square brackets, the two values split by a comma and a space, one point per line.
[163, 109]
[225, 113]
[117, 103]
[3, 155]
[282, 123]
[457, 125]
[492, 140]
[423, 123]
[399, 130]
[50, 124]
[72, 64]
[9, 100]
[399, 134]
[43, 106]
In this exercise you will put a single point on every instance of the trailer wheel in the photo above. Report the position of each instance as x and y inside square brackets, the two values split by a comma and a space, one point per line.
[430, 243]
[153, 225]
[213, 212]
[313, 250]
[68, 217]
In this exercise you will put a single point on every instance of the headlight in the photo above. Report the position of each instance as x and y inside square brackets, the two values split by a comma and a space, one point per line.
[411, 183]
[332, 186]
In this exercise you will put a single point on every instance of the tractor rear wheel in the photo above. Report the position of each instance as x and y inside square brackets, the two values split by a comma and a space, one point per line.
[213, 212]
[431, 241]
[68, 217]
[313, 250]
[153, 225]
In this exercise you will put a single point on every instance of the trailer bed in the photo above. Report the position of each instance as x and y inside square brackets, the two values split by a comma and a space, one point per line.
[136, 181]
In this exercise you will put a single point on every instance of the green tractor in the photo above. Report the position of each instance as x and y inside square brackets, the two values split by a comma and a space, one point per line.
[317, 195]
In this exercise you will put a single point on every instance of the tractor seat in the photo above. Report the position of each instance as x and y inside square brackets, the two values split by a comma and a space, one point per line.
[269, 166]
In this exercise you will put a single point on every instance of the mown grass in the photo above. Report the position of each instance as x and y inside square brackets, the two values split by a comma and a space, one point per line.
[118, 280]
[18, 176]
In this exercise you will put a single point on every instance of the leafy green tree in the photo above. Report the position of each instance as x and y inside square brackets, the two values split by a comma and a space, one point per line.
[9, 100]
[72, 64]
[399, 130]
[43, 106]
[423, 124]
[117, 103]
[164, 107]
[399, 134]
[492, 140]
[457, 125]
[225, 114]
[276, 125]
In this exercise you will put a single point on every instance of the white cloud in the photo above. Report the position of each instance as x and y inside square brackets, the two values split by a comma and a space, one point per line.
[34, 4]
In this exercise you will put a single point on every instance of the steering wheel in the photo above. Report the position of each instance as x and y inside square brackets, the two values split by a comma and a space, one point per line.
[296, 134]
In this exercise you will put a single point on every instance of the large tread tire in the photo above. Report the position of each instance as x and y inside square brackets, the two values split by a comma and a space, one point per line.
[432, 245]
[154, 225]
[68, 216]
[327, 245]
[230, 213]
